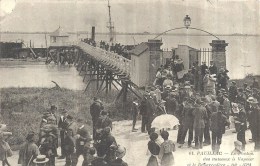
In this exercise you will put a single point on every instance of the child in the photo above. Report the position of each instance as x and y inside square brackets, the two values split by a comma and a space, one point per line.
[154, 148]
[167, 147]
[238, 148]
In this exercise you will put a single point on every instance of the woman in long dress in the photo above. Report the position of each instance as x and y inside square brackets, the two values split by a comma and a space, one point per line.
[167, 147]
[154, 149]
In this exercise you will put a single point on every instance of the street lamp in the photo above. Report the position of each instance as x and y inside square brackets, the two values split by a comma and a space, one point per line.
[187, 21]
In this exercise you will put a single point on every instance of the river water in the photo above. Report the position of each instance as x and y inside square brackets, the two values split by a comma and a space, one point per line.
[242, 50]
[40, 75]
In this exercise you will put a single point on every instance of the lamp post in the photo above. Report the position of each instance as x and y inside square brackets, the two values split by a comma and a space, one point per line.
[187, 21]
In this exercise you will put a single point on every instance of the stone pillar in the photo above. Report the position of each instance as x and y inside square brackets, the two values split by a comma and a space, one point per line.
[219, 53]
[155, 58]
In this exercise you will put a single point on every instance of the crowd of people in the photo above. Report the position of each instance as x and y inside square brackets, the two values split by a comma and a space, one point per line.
[116, 48]
[205, 106]
[62, 56]
[73, 137]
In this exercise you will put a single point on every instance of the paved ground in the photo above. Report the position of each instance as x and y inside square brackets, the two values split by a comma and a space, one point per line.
[136, 145]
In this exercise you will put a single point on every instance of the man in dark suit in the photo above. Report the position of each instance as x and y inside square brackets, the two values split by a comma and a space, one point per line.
[83, 139]
[62, 125]
[213, 68]
[103, 122]
[95, 110]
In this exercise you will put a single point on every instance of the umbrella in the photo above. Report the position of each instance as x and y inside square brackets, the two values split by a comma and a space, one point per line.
[165, 121]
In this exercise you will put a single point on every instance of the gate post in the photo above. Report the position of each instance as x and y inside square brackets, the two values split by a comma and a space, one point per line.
[219, 53]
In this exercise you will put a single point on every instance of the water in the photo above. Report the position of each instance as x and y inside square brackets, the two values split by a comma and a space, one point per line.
[242, 50]
[40, 75]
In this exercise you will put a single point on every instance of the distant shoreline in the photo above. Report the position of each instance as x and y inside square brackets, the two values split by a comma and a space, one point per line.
[144, 34]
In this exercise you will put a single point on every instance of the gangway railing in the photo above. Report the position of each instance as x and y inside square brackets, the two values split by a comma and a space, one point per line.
[112, 59]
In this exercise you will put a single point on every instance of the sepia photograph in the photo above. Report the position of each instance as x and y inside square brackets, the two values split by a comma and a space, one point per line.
[129, 82]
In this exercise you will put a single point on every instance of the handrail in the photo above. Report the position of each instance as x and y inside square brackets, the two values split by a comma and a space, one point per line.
[120, 62]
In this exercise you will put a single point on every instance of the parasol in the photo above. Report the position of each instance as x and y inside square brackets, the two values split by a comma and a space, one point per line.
[165, 121]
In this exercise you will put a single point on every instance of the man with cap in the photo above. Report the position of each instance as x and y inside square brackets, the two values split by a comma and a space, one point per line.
[29, 151]
[95, 110]
[83, 139]
[120, 153]
[200, 115]
[62, 125]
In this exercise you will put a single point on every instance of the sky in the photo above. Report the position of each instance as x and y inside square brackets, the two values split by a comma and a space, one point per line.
[215, 16]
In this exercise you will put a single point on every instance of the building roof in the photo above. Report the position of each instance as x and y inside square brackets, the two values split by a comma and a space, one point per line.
[139, 49]
[59, 32]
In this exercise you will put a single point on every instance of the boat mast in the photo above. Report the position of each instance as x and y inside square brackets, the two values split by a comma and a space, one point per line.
[110, 26]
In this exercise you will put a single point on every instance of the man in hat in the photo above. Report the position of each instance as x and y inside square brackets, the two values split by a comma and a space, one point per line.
[218, 121]
[200, 115]
[254, 119]
[100, 160]
[213, 68]
[120, 153]
[188, 120]
[203, 70]
[95, 109]
[104, 121]
[62, 125]
[233, 91]
[171, 104]
[241, 126]
[209, 82]
[226, 105]
[29, 151]
[135, 112]
[83, 139]
[52, 112]
[72, 125]
[107, 144]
